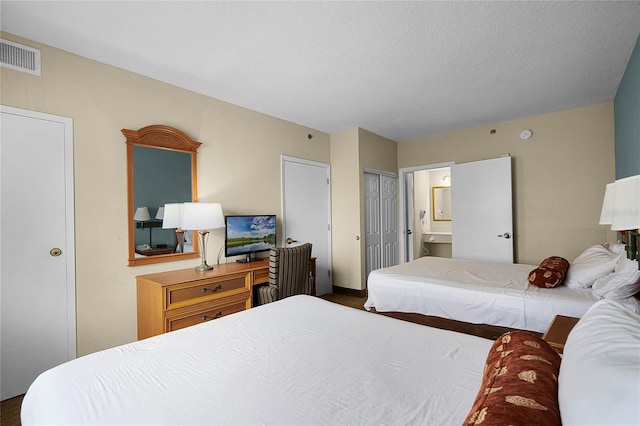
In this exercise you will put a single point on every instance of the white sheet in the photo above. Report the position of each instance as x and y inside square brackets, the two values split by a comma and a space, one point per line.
[301, 360]
[599, 379]
[475, 292]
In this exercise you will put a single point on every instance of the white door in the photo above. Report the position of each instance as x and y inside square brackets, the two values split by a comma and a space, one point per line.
[306, 213]
[381, 220]
[409, 218]
[389, 219]
[37, 276]
[372, 234]
[481, 199]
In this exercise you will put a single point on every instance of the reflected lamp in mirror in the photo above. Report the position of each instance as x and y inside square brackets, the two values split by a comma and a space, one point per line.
[160, 213]
[172, 219]
[201, 217]
[142, 214]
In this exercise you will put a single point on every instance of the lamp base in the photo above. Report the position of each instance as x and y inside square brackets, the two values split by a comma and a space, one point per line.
[203, 267]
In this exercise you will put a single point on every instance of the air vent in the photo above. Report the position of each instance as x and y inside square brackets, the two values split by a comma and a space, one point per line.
[19, 57]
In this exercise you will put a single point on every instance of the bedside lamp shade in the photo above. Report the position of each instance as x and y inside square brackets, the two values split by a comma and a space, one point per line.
[142, 213]
[606, 216]
[626, 211]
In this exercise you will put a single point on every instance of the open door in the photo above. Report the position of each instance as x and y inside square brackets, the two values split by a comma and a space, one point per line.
[482, 212]
[409, 218]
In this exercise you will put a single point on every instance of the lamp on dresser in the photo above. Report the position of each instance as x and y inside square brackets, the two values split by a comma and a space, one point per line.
[201, 217]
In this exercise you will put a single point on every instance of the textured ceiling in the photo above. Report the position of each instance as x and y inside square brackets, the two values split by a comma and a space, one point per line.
[399, 69]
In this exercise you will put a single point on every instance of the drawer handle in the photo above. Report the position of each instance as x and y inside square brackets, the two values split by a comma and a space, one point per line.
[204, 289]
[206, 317]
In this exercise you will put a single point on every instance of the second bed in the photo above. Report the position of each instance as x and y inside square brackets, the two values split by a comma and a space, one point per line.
[475, 292]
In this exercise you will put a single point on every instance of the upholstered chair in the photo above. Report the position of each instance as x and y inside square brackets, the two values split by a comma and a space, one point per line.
[288, 273]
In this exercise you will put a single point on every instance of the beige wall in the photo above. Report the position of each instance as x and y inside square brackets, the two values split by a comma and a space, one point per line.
[559, 175]
[238, 166]
[345, 205]
[352, 151]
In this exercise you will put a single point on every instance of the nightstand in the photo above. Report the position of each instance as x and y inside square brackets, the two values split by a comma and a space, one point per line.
[557, 333]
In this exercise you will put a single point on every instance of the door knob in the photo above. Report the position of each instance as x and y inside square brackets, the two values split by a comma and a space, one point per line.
[505, 235]
[55, 252]
[291, 240]
[409, 232]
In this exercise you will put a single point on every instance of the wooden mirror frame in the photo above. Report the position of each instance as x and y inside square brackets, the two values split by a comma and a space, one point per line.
[161, 137]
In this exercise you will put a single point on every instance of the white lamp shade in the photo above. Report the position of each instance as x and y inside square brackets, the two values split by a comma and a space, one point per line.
[201, 216]
[160, 213]
[142, 213]
[626, 211]
[172, 216]
[606, 216]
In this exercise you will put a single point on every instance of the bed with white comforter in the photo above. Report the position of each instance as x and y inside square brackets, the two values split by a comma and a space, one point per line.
[303, 360]
[298, 361]
[476, 292]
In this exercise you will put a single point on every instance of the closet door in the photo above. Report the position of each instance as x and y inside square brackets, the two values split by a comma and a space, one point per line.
[389, 220]
[380, 221]
[482, 221]
[37, 276]
[372, 234]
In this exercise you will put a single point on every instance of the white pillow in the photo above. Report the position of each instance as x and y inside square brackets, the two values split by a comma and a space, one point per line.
[593, 263]
[599, 377]
[623, 282]
[618, 247]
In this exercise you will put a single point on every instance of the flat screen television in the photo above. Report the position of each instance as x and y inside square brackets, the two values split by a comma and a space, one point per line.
[249, 234]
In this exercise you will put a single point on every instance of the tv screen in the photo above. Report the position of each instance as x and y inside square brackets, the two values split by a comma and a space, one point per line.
[248, 234]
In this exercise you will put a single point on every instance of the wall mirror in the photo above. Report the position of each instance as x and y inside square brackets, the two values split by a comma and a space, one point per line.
[441, 203]
[161, 169]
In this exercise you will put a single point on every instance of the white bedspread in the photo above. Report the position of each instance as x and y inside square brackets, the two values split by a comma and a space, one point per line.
[475, 292]
[301, 360]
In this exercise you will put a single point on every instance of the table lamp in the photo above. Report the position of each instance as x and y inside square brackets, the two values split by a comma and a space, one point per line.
[201, 217]
[621, 210]
[626, 212]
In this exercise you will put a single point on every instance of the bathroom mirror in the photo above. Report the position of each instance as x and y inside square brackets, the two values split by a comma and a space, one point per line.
[161, 169]
[441, 203]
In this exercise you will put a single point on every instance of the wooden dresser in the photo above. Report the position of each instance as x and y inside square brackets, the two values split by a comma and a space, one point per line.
[173, 300]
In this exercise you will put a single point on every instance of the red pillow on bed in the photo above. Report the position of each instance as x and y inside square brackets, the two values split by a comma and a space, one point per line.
[519, 384]
[550, 272]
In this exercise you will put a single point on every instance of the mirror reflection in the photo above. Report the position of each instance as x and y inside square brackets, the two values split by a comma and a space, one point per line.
[159, 177]
[441, 203]
[161, 171]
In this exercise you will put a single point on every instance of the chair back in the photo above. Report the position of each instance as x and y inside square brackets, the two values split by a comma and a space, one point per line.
[289, 270]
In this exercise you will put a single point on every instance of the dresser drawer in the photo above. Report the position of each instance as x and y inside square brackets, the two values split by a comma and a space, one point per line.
[261, 276]
[189, 294]
[193, 318]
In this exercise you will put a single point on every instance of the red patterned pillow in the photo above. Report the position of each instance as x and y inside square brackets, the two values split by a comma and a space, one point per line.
[519, 383]
[550, 273]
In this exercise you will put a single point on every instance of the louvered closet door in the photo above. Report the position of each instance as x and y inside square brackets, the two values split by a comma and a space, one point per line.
[37, 272]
